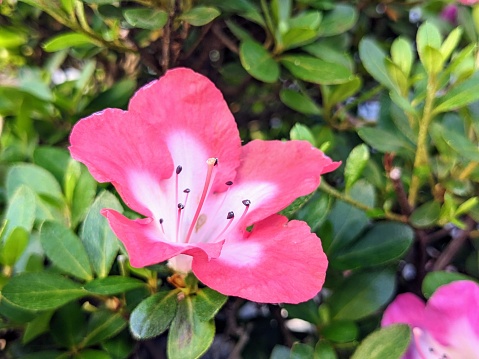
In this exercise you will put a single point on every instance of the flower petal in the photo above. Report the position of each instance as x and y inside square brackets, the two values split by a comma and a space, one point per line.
[146, 245]
[452, 316]
[187, 107]
[272, 175]
[407, 308]
[279, 261]
[120, 147]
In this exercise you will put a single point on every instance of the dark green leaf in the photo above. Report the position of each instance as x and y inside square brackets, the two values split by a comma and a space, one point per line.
[362, 294]
[200, 15]
[341, 331]
[68, 325]
[189, 336]
[258, 61]
[65, 250]
[41, 291]
[38, 326]
[91, 354]
[207, 303]
[434, 280]
[426, 215]
[390, 342]
[311, 69]
[53, 159]
[342, 18]
[383, 140]
[146, 18]
[460, 95]
[324, 350]
[103, 325]
[299, 102]
[153, 315]
[113, 285]
[301, 351]
[99, 241]
[83, 196]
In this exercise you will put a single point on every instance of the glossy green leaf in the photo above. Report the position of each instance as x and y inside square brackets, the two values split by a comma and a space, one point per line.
[83, 196]
[425, 215]
[67, 40]
[374, 60]
[311, 69]
[103, 325]
[301, 132]
[324, 350]
[384, 242]
[361, 294]
[200, 15]
[208, 302]
[20, 212]
[41, 291]
[355, 164]
[68, 325]
[11, 37]
[189, 336]
[341, 331]
[342, 18]
[38, 326]
[299, 102]
[13, 246]
[65, 250]
[258, 61]
[434, 280]
[146, 18]
[153, 315]
[112, 285]
[390, 342]
[100, 242]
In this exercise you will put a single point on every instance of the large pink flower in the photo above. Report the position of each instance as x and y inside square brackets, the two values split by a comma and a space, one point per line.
[176, 157]
[447, 327]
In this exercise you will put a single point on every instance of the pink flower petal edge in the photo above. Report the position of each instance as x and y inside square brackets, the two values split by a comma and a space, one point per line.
[176, 158]
[446, 326]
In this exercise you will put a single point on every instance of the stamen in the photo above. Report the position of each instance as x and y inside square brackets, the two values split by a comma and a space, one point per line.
[187, 191]
[230, 216]
[229, 183]
[211, 162]
[161, 225]
[179, 169]
[178, 220]
[246, 203]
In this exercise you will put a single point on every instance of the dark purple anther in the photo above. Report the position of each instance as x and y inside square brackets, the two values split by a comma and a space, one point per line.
[246, 202]
[230, 215]
[178, 170]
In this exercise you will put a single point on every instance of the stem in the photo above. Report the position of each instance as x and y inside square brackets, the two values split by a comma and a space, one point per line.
[421, 151]
[468, 170]
[345, 198]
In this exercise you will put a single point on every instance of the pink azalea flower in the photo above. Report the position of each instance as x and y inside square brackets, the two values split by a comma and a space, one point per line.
[176, 157]
[469, 2]
[447, 327]
[449, 14]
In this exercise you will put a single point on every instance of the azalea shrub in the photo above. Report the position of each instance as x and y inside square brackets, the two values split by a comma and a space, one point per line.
[239, 179]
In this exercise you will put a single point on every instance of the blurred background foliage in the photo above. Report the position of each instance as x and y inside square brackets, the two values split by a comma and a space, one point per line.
[390, 88]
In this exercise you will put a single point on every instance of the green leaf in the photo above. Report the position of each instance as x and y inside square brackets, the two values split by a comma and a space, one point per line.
[341, 331]
[390, 342]
[462, 145]
[116, 96]
[200, 15]
[301, 132]
[68, 325]
[402, 54]
[342, 18]
[311, 69]
[383, 140]
[20, 212]
[425, 215]
[384, 242]
[299, 102]
[146, 18]
[434, 280]
[301, 351]
[91, 354]
[65, 250]
[41, 291]
[103, 325]
[99, 240]
[361, 294]
[189, 336]
[341, 92]
[67, 40]
[460, 95]
[13, 246]
[208, 302]
[432, 60]
[281, 11]
[120, 346]
[83, 195]
[451, 42]
[324, 350]
[355, 164]
[38, 326]
[112, 285]
[428, 35]
[10, 37]
[153, 315]
[373, 59]
[280, 352]
[53, 159]
[397, 76]
[258, 61]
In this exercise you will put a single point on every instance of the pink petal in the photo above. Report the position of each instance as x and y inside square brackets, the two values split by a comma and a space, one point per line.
[279, 261]
[273, 174]
[187, 106]
[120, 147]
[146, 245]
[452, 315]
[407, 308]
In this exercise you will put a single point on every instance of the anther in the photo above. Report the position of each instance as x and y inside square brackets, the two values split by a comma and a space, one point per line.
[246, 202]
[161, 220]
[161, 225]
[229, 183]
[181, 206]
[230, 215]
[186, 190]
[179, 169]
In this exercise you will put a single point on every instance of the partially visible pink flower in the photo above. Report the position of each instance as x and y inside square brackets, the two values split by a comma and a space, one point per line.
[469, 2]
[447, 327]
[176, 157]
[449, 14]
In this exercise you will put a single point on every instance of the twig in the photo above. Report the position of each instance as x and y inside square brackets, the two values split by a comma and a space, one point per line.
[394, 174]
[218, 32]
[454, 246]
